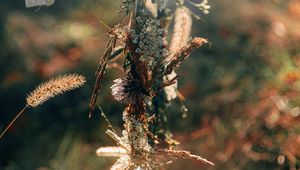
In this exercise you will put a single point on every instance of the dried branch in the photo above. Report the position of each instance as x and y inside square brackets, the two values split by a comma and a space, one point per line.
[184, 53]
[138, 68]
[100, 74]
[182, 155]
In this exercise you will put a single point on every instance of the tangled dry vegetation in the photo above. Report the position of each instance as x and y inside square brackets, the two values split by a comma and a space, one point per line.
[149, 83]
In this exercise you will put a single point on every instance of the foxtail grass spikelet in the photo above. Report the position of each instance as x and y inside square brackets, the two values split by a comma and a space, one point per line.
[48, 90]
[181, 34]
[182, 29]
[111, 151]
[54, 87]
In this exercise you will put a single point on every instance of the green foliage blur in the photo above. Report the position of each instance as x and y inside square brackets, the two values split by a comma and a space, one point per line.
[242, 90]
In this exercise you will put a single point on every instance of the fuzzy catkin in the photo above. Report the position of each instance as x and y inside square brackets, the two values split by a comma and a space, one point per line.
[182, 29]
[54, 87]
[181, 34]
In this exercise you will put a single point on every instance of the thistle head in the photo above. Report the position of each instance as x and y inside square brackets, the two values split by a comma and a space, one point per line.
[126, 90]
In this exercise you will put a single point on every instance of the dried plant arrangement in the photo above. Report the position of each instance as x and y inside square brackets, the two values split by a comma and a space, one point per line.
[48, 90]
[149, 81]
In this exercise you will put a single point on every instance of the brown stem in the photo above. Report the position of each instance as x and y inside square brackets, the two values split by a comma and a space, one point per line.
[100, 74]
[15, 118]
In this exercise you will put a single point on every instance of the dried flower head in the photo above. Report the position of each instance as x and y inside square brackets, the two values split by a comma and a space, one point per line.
[125, 90]
[149, 38]
[54, 87]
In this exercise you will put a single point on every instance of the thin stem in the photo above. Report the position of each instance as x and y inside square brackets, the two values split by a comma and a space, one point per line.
[137, 8]
[106, 119]
[15, 118]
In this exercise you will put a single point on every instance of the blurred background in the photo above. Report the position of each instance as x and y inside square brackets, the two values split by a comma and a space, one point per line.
[242, 90]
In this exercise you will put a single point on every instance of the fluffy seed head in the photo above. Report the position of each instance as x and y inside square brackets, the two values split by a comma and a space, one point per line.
[125, 91]
[54, 87]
